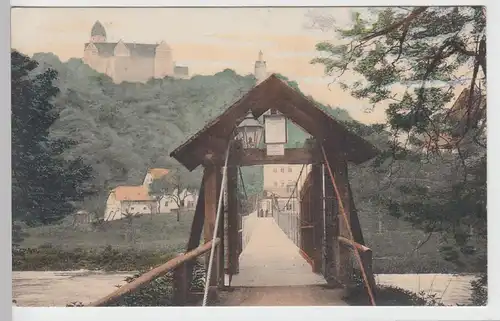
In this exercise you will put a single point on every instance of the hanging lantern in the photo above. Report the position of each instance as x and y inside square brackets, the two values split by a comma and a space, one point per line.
[249, 131]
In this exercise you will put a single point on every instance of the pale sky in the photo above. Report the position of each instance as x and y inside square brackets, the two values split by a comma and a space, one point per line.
[207, 40]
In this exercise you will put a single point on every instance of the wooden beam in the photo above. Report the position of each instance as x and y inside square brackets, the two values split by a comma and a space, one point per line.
[211, 192]
[338, 166]
[317, 211]
[353, 244]
[366, 255]
[331, 230]
[196, 230]
[357, 232]
[303, 120]
[232, 218]
[181, 285]
[153, 274]
[198, 219]
[257, 156]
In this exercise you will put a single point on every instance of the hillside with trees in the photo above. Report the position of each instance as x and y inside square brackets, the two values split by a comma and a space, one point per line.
[45, 185]
[121, 130]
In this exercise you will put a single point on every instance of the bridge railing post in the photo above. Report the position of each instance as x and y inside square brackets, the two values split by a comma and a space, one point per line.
[181, 285]
[367, 259]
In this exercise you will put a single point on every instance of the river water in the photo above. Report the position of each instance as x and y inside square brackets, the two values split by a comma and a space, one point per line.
[52, 288]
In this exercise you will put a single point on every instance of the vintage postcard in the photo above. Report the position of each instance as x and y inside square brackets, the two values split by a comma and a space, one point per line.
[265, 156]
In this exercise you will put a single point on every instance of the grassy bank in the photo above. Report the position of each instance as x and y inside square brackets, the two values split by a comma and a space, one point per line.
[143, 233]
[48, 258]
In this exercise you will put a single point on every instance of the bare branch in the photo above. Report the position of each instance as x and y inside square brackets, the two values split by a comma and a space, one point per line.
[422, 243]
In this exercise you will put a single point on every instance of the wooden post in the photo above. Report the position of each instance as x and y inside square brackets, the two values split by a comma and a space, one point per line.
[331, 230]
[355, 225]
[318, 213]
[196, 230]
[232, 219]
[338, 165]
[211, 178]
[181, 286]
[367, 259]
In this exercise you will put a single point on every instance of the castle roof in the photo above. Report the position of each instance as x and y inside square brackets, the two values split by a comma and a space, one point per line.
[136, 49]
[98, 30]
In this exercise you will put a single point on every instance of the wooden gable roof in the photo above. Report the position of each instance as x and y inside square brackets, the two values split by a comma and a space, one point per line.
[273, 93]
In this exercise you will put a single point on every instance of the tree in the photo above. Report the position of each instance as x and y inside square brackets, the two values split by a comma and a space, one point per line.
[176, 186]
[413, 61]
[44, 185]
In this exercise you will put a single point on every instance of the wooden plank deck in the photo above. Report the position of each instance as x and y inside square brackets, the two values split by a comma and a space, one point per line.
[270, 258]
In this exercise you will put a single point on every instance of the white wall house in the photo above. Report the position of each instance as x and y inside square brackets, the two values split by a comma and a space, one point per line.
[152, 174]
[169, 202]
[125, 200]
[280, 181]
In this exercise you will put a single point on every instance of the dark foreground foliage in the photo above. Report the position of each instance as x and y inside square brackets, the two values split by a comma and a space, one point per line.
[392, 296]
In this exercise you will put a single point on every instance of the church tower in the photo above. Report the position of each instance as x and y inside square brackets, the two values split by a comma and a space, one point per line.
[260, 71]
[98, 33]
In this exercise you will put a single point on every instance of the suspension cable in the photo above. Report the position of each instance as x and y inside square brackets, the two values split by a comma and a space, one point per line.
[275, 202]
[216, 227]
[295, 187]
[349, 230]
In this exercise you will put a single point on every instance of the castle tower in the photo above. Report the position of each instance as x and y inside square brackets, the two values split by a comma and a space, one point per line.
[98, 33]
[260, 70]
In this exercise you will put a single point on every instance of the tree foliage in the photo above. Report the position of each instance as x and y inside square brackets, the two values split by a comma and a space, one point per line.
[413, 61]
[123, 129]
[176, 186]
[44, 185]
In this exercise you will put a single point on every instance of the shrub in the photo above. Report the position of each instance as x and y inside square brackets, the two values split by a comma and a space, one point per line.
[159, 292]
[480, 290]
[389, 296]
[49, 258]
[18, 233]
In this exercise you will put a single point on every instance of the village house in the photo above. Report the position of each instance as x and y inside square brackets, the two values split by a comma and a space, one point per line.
[171, 201]
[137, 200]
[129, 200]
[154, 173]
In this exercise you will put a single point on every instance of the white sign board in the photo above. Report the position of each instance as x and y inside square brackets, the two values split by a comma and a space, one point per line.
[275, 149]
[275, 129]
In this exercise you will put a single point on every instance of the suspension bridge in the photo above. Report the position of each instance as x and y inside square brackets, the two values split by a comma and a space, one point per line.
[305, 256]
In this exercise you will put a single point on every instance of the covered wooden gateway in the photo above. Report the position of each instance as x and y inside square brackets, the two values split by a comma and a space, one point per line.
[322, 230]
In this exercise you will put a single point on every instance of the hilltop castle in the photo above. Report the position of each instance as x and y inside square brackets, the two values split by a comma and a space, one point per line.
[134, 62]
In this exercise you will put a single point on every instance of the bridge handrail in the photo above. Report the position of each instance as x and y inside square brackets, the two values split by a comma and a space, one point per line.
[366, 257]
[154, 274]
[350, 243]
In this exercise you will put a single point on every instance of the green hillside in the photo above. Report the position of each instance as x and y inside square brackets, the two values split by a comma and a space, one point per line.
[123, 129]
